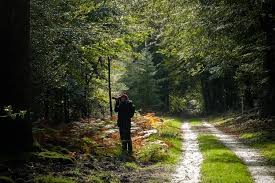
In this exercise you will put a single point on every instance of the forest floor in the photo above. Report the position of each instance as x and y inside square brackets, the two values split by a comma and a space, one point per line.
[89, 151]
[227, 148]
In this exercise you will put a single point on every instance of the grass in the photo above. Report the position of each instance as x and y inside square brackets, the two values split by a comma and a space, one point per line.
[195, 122]
[132, 166]
[53, 156]
[170, 133]
[52, 179]
[254, 136]
[264, 142]
[102, 177]
[220, 165]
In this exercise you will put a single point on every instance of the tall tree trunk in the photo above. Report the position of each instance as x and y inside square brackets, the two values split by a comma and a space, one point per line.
[66, 105]
[15, 75]
[268, 24]
[109, 86]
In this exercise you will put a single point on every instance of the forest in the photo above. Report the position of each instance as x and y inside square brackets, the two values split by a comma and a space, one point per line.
[193, 61]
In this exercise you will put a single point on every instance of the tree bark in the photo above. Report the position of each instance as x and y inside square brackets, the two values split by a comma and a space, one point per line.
[15, 75]
[109, 86]
[268, 24]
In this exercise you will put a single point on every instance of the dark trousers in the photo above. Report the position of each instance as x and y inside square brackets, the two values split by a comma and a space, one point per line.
[125, 137]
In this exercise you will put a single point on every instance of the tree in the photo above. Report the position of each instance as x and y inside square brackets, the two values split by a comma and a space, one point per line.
[142, 86]
[217, 53]
[268, 25]
[15, 69]
[71, 41]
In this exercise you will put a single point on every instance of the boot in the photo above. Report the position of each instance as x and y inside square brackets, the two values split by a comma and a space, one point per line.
[124, 146]
[130, 148]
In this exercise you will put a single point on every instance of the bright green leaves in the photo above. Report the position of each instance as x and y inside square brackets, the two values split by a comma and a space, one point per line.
[10, 113]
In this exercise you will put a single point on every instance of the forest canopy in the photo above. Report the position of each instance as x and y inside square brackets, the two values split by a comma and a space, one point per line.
[173, 56]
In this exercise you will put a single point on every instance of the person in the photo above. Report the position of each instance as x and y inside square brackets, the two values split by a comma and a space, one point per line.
[125, 109]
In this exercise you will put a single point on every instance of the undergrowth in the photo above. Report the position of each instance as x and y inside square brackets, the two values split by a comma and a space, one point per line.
[165, 146]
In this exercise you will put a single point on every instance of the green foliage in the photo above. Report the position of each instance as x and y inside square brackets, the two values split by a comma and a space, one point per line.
[71, 41]
[132, 166]
[195, 122]
[190, 103]
[142, 86]
[152, 153]
[209, 52]
[5, 179]
[103, 177]
[164, 147]
[54, 157]
[52, 179]
[200, 44]
[10, 113]
[170, 133]
[87, 145]
[59, 149]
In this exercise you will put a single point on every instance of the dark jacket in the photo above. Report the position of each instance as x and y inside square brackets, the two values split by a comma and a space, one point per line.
[125, 112]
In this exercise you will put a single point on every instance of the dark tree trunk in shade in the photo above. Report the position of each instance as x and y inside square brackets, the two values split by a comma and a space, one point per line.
[15, 75]
[268, 24]
[218, 94]
[66, 106]
[109, 86]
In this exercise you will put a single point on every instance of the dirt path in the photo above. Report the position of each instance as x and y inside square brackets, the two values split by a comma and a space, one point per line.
[260, 172]
[189, 168]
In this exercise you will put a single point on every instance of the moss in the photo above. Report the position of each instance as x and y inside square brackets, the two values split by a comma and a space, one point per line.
[95, 179]
[103, 177]
[132, 166]
[53, 156]
[51, 179]
[60, 149]
[251, 136]
[4, 179]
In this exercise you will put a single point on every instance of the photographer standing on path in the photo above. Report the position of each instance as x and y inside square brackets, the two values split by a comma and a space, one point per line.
[125, 109]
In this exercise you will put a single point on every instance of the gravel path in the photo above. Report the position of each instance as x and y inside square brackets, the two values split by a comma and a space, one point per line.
[189, 168]
[251, 157]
